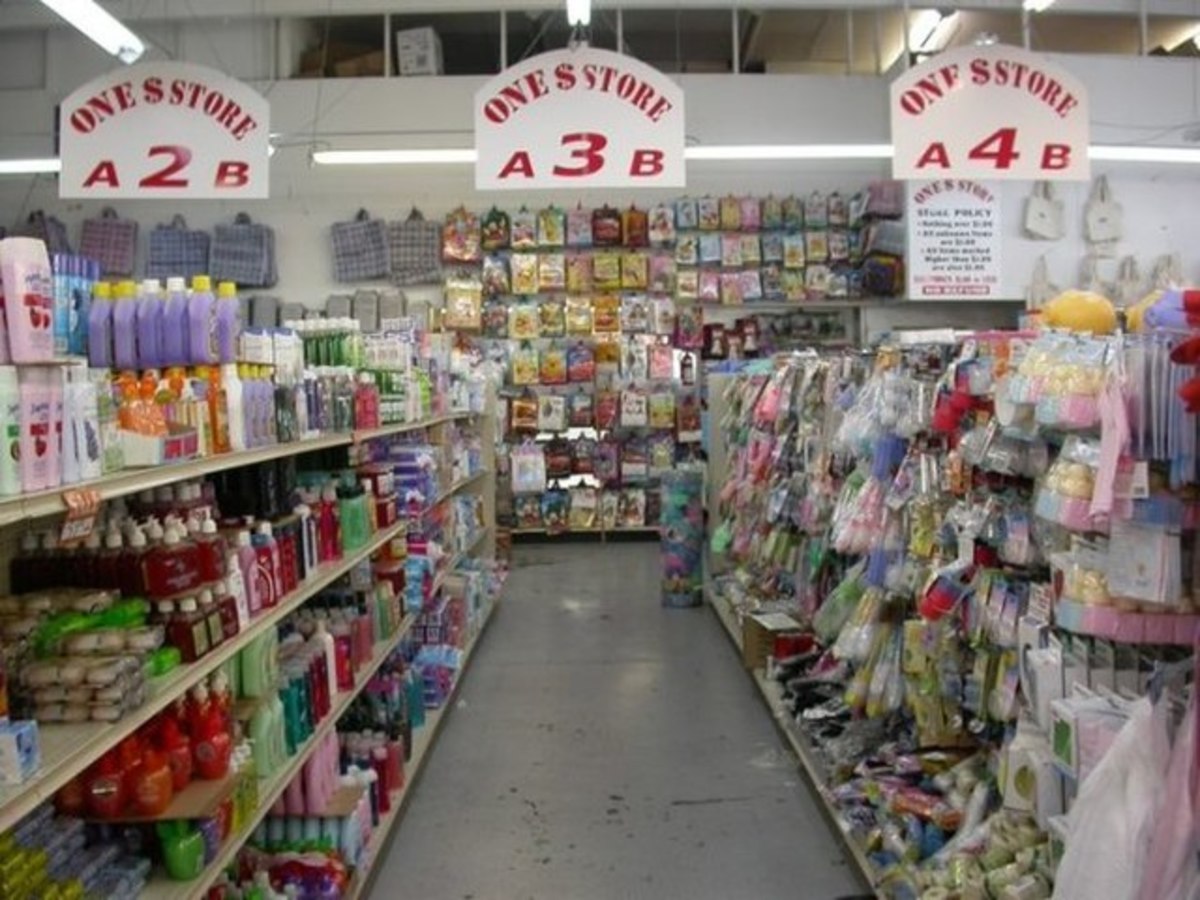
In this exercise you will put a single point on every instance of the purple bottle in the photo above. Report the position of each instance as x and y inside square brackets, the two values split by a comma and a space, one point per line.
[201, 344]
[228, 322]
[175, 349]
[149, 325]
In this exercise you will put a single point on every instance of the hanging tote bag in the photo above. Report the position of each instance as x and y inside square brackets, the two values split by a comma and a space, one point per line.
[1167, 273]
[416, 250]
[46, 229]
[360, 248]
[110, 241]
[244, 253]
[174, 250]
[1044, 219]
[1128, 289]
[1040, 290]
[1102, 218]
[1090, 279]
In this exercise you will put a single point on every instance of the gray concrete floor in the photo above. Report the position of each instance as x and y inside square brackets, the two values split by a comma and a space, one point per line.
[604, 747]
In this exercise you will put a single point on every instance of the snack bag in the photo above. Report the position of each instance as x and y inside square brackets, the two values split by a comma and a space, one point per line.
[579, 227]
[579, 273]
[635, 225]
[551, 227]
[579, 316]
[552, 320]
[524, 322]
[634, 271]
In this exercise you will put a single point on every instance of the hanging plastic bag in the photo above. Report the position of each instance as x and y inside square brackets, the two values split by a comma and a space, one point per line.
[1044, 219]
[1102, 218]
[1171, 872]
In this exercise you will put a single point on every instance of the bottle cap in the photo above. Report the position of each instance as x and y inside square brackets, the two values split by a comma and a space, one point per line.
[171, 538]
[208, 527]
[201, 283]
[226, 289]
[176, 285]
[264, 528]
[166, 607]
[243, 539]
[112, 539]
[137, 539]
[102, 290]
[206, 597]
[151, 286]
[188, 605]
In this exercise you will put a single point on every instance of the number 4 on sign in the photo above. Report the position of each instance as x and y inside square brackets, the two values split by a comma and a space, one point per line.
[998, 151]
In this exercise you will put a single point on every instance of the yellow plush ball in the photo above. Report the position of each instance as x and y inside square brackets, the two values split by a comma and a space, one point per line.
[1080, 311]
[1135, 316]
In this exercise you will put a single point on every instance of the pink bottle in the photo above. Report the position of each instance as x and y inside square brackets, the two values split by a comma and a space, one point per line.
[247, 561]
[29, 299]
[39, 457]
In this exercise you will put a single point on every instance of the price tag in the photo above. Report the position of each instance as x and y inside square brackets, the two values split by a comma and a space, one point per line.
[82, 506]
[994, 112]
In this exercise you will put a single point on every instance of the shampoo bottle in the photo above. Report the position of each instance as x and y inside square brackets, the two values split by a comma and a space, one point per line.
[100, 327]
[10, 432]
[176, 348]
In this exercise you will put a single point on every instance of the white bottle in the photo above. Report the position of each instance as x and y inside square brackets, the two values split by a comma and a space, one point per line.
[234, 414]
[235, 586]
[10, 432]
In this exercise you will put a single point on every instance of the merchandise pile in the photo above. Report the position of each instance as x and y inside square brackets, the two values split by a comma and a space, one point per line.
[968, 569]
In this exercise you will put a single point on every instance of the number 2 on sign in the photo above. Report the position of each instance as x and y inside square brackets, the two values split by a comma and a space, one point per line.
[171, 172]
[998, 151]
[586, 157]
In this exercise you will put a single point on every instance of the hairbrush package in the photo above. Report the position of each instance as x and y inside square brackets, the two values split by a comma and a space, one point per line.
[579, 227]
[524, 230]
[496, 230]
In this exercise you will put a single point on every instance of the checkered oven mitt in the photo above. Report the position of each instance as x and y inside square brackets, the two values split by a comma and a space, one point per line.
[111, 241]
[360, 248]
[244, 253]
[416, 246]
[176, 251]
[47, 229]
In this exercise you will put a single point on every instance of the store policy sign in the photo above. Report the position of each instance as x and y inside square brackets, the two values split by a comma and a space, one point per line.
[164, 130]
[953, 240]
[579, 117]
[993, 112]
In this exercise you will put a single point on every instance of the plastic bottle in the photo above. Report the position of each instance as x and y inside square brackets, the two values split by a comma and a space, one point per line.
[38, 443]
[212, 744]
[87, 274]
[100, 327]
[61, 266]
[228, 321]
[132, 575]
[188, 630]
[329, 532]
[266, 565]
[201, 343]
[69, 459]
[247, 562]
[210, 551]
[124, 326]
[212, 618]
[84, 412]
[150, 324]
[153, 784]
[235, 586]
[172, 567]
[328, 648]
[229, 609]
[178, 748]
[10, 432]
[176, 349]
[29, 304]
[235, 407]
[104, 788]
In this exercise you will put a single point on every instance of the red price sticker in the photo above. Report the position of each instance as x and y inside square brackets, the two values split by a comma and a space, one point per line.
[82, 507]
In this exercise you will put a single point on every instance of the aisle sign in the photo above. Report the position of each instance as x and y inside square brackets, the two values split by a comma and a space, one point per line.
[579, 118]
[953, 240]
[994, 112]
[165, 130]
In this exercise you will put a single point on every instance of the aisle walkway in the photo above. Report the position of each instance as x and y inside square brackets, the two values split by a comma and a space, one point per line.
[605, 748]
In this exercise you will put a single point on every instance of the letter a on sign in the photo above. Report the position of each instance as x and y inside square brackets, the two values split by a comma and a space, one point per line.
[990, 113]
[579, 118]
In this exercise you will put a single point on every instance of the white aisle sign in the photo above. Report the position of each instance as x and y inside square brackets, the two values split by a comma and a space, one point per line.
[164, 130]
[579, 118]
[993, 112]
[953, 241]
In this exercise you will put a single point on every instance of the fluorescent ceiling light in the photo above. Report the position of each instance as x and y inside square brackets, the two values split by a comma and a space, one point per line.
[928, 29]
[723, 153]
[29, 166]
[1037, 6]
[100, 25]
[579, 12]
[788, 151]
[392, 157]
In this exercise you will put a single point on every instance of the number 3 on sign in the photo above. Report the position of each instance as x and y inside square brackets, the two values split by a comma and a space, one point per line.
[997, 151]
[171, 165]
[585, 157]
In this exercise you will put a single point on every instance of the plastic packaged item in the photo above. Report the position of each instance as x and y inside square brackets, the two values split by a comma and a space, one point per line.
[29, 302]
[38, 444]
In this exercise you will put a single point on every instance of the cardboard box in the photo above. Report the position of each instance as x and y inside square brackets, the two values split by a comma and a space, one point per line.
[759, 633]
[364, 65]
[20, 752]
[418, 52]
[321, 60]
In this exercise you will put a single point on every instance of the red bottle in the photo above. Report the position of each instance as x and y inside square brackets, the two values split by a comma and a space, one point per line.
[104, 788]
[329, 532]
[129, 564]
[212, 745]
[210, 552]
[153, 784]
[106, 566]
[227, 608]
[178, 749]
[171, 568]
[212, 617]
[188, 630]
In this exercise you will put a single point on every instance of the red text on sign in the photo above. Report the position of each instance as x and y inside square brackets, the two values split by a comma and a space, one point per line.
[172, 174]
[194, 96]
[589, 154]
[998, 151]
[984, 72]
[586, 153]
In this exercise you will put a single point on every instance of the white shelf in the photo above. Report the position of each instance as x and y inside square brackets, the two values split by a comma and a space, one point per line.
[811, 766]
[423, 742]
[449, 492]
[273, 785]
[457, 559]
[69, 749]
[371, 434]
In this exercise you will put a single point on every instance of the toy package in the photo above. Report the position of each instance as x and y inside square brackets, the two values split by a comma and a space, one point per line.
[496, 230]
[552, 320]
[462, 237]
[524, 230]
[551, 227]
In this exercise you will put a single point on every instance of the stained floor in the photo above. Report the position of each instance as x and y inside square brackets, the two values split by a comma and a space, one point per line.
[604, 747]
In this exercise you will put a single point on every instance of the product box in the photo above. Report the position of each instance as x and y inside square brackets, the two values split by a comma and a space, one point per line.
[418, 52]
[759, 633]
[364, 65]
[20, 753]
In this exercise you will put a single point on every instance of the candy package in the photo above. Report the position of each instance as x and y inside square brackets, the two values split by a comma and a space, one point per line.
[524, 230]
[496, 230]
[579, 227]
[635, 225]
[606, 314]
[579, 316]
[635, 314]
[662, 224]
[524, 273]
[524, 322]
[462, 237]
[554, 365]
[552, 319]
[579, 273]
[525, 365]
[606, 227]
[552, 272]
[551, 227]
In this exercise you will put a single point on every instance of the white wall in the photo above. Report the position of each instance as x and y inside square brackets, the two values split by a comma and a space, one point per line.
[1132, 100]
